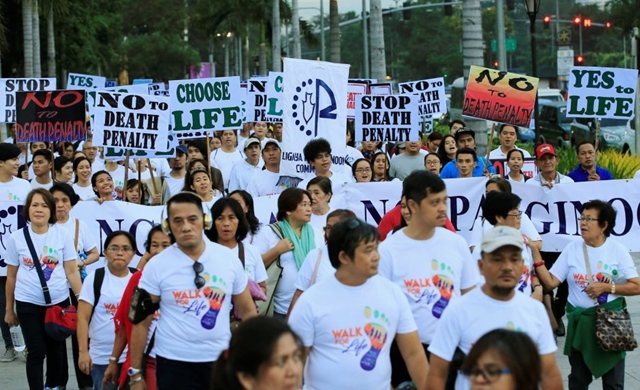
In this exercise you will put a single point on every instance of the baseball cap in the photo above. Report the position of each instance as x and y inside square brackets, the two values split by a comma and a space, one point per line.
[268, 141]
[501, 236]
[545, 149]
[250, 141]
[182, 148]
[8, 151]
[462, 131]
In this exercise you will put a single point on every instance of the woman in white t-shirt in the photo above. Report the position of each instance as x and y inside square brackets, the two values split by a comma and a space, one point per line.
[610, 276]
[54, 247]
[198, 181]
[95, 314]
[320, 189]
[246, 201]
[102, 184]
[82, 186]
[515, 161]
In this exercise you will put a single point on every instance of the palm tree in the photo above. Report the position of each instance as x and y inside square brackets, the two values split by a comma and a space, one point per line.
[27, 37]
[334, 31]
[295, 27]
[51, 44]
[276, 50]
[37, 63]
[378, 61]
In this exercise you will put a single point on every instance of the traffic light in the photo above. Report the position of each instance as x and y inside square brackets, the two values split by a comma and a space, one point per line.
[607, 24]
[578, 60]
[448, 9]
[577, 21]
[496, 64]
[546, 21]
[406, 13]
[587, 22]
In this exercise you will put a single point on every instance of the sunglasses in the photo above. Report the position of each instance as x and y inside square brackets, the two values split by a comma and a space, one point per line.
[199, 280]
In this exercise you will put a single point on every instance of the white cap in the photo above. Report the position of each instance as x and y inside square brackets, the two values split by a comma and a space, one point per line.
[501, 236]
[250, 141]
[267, 141]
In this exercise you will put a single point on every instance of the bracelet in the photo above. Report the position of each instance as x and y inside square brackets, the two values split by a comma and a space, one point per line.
[537, 285]
[613, 287]
[136, 380]
[113, 359]
[77, 295]
[538, 264]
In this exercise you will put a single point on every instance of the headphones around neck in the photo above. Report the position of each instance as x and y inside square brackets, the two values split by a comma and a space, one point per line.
[166, 229]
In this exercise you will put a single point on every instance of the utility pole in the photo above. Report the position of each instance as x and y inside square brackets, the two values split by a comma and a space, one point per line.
[501, 50]
[322, 29]
[365, 38]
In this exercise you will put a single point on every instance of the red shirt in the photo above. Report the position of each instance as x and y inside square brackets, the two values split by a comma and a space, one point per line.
[394, 217]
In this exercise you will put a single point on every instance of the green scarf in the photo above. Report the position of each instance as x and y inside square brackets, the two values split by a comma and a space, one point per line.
[301, 246]
[581, 336]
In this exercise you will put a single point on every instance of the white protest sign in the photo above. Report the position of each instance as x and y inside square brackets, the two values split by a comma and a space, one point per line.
[243, 101]
[158, 89]
[168, 151]
[85, 81]
[131, 122]
[202, 106]
[381, 89]
[8, 89]
[431, 92]
[91, 95]
[275, 96]
[354, 90]
[257, 101]
[315, 106]
[601, 92]
[387, 118]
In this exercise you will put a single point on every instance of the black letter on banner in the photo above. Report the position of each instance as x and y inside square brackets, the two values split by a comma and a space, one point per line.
[628, 216]
[545, 225]
[454, 209]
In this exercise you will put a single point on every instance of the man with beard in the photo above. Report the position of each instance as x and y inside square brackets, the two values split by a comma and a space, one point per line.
[244, 171]
[588, 170]
[495, 305]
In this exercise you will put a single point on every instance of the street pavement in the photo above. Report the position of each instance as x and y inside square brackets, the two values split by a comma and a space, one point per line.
[13, 375]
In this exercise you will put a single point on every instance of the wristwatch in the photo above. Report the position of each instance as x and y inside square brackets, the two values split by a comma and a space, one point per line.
[133, 371]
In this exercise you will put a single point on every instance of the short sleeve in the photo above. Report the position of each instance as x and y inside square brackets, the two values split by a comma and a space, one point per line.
[448, 172]
[560, 269]
[265, 240]
[69, 249]
[627, 267]
[406, 322]
[392, 169]
[470, 272]
[234, 183]
[301, 321]
[385, 265]
[149, 281]
[88, 242]
[303, 281]
[446, 337]
[240, 277]
[11, 256]
[86, 293]
[260, 272]
[546, 343]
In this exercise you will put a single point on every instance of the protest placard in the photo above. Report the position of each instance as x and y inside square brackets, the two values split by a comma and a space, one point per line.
[201, 106]
[85, 81]
[158, 89]
[431, 93]
[8, 89]
[91, 95]
[50, 116]
[142, 81]
[529, 167]
[257, 102]
[131, 122]
[500, 96]
[380, 89]
[353, 90]
[601, 92]
[315, 106]
[275, 96]
[391, 118]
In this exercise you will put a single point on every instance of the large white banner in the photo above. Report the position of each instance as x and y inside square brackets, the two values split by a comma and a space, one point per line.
[8, 89]
[315, 106]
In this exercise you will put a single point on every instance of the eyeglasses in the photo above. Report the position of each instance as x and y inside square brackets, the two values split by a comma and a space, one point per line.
[432, 162]
[115, 248]
[517, 215]
[199, 280]
[587, 219]
[363, 170]
[490, 374]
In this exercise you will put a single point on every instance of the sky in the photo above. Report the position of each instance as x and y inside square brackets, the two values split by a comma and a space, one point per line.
[343, 6]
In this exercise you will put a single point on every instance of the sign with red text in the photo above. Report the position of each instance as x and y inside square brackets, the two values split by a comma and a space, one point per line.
[8, 89]
[50, 116]
[354, 90]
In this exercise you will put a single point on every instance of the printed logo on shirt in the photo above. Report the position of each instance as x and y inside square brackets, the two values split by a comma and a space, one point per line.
[12, 197]
[49, 262]
[439, 288]
[511, 326]
[525, 279]
[373, 335]
[603, 275]
[110, 308]
[206, 302]
[118, 185]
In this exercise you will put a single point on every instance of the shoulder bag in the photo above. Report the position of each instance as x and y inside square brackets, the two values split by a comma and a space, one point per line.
[274, 274]
[59, 323]
[614, 331]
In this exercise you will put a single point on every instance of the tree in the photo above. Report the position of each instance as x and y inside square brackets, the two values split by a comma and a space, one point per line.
[334, 29]
[27, 37]
[295, 27]
[378, 61]
[51, 44]
[37, 63]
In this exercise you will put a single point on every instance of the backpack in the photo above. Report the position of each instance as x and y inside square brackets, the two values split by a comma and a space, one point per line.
[97, 286]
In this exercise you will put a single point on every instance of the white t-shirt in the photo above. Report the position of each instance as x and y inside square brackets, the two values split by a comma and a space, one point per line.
[524, 284]
[86, 242]
[325, 269]
[194, 324]
[352, 154]
[15, 190]
[175, 185]
[85, 193]
[570, 266]
[475, 314]
[431, 273]
[53, 247]
[224, 161]
[209, 204]
[497, 153]
[480, 227]
[253, 264]
[338, 180]
[101, 326]
[265, 184]
[242, 174]
[350, 330]
[320, 221]
[160, 166]
[266, 240]
[35, 184]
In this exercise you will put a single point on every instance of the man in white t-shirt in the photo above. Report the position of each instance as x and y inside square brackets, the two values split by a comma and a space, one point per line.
[508, 135]
[42, 163]
[430, 264]
[16, 190]
[347, 321]
[225, 156]
[175, 178]
[493, 306]
[244, 171]
[317, 152]
[269, 181]
[194, 282]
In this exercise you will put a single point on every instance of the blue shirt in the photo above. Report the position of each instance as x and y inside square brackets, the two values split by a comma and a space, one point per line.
[450, 171]
[579, 174]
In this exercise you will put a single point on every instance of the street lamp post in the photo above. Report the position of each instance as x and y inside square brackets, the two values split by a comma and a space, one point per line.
[532, 10]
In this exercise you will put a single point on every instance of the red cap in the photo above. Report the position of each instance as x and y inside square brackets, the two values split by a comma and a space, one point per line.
[544, 149]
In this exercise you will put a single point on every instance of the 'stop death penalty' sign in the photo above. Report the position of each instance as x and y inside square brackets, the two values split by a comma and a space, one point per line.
[601, 92]
[129, 121]
[8, 89]
[392, 118]
[500, 96]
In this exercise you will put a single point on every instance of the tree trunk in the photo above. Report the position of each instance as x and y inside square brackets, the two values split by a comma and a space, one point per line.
[378, 60]
[334, 33]
[295, 26]
[276, 49]
[37, 62]
[27, 37]
[245, 58]
[51, 45]
[262, 70]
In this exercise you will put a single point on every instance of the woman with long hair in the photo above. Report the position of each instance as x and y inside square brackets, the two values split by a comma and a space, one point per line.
[380, 166]
[447, 150]
[198, 181]
[246, 201]
[82, 186]
[362, 171]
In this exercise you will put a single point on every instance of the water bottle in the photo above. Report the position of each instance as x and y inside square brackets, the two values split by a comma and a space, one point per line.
[617, 278]
[83, 270]
[17, 339]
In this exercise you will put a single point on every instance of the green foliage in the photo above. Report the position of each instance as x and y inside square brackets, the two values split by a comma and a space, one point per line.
[621, 166]
[148, 53]
[568, 160]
